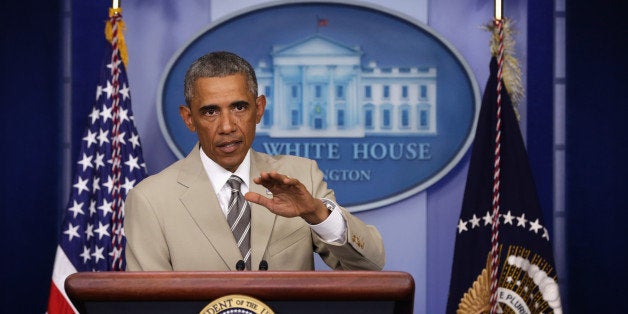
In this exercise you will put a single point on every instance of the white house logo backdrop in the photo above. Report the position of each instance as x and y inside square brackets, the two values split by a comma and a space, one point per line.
[382, 103]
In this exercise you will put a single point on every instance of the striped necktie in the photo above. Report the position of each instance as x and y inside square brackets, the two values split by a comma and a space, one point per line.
[239, 219]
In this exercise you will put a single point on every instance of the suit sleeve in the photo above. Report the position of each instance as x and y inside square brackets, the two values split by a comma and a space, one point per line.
[146, 248]
[363, 248]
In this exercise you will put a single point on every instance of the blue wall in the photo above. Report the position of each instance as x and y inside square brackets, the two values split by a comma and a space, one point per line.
[597, 146]
[32, 147]
[539, 99]
[31, 155]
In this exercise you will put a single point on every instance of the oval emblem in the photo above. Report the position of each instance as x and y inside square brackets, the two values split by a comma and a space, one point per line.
[383, 103]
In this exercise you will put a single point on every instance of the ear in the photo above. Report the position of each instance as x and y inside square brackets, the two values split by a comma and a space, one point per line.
[260, 104]
[186, 115]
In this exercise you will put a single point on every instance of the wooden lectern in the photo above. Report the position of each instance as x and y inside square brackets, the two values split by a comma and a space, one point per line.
[282, 291]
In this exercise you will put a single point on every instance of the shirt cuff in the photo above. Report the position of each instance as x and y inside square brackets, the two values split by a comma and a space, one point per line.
[332, 230]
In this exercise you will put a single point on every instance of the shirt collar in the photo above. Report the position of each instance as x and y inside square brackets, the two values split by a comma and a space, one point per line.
[218, 175]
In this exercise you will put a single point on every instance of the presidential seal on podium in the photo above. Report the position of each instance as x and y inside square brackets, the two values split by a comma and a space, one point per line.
[236, 304]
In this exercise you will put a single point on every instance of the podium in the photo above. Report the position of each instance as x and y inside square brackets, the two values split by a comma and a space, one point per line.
[281, 291]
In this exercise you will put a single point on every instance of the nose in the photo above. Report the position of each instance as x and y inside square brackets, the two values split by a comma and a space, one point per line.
[227, 123]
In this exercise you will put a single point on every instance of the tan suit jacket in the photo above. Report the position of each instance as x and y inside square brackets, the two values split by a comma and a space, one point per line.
[173, 221]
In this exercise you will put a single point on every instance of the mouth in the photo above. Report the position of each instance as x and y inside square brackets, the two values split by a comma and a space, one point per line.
[229, 147]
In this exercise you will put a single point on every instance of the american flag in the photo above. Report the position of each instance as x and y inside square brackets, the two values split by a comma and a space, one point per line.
[110, 163]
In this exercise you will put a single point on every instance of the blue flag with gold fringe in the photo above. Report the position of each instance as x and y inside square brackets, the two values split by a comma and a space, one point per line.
[526, 277]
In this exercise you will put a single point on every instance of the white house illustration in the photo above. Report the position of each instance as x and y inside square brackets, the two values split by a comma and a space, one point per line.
[318, 87]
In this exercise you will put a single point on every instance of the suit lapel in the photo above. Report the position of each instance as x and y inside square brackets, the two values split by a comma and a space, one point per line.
[202, 205]
[262, 220]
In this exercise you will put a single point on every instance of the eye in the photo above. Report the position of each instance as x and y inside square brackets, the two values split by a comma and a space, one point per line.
[240, 106]
[209, 111]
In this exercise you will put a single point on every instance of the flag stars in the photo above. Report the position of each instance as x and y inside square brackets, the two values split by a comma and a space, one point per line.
[81, 185]
[132, 162]
[94, 114]
[105, 207]
[98, 94]
[125, 91]
[90, 138]
[135, 140]
[508, 218]
[72, 231]
[535, 226]
[96, 185]
[475, 222]
[98, 162]
[521, 221]
[109, 184]
[488, 219]
[86, 254]
[128, 185]
[114, 66]
[102, 230]
[462, 226]
[77, 208]
[123, 115]
[92, 207]
[103, 136]
[98, 254]
[120, 138]
[89, 231]
[106, 113]
[86, 161]
[108, 90]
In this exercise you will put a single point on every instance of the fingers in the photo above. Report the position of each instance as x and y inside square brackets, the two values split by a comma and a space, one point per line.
[288, 197]
[273, 178]
[258, 199]
[277, 208]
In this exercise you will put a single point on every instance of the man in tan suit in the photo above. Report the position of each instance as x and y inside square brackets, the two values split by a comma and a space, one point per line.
[178, 218]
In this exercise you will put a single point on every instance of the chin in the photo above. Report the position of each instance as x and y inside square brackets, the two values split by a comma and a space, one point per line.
[232, 164]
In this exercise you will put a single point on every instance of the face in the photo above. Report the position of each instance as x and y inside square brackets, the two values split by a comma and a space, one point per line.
[224, 113]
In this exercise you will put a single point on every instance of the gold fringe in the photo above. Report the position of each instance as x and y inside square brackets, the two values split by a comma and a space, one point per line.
[511, 71]
[121, 28]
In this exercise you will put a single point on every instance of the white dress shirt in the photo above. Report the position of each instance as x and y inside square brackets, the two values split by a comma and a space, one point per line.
[331, 230]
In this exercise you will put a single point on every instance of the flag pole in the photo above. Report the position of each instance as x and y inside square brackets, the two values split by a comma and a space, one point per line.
[499, 10]
[115, 4]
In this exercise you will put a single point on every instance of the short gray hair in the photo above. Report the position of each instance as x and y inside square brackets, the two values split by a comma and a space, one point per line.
[218, 64]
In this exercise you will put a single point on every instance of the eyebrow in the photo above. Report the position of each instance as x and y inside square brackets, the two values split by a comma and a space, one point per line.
[208, 107]
[232, 105]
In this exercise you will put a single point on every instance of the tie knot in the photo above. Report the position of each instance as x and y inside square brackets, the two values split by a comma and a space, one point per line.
[234, 182]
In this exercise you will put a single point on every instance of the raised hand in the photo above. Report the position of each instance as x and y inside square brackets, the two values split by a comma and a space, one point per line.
[289, 198]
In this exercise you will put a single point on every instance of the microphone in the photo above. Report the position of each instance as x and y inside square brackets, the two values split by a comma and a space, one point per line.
[240, 265]
[263, 265]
